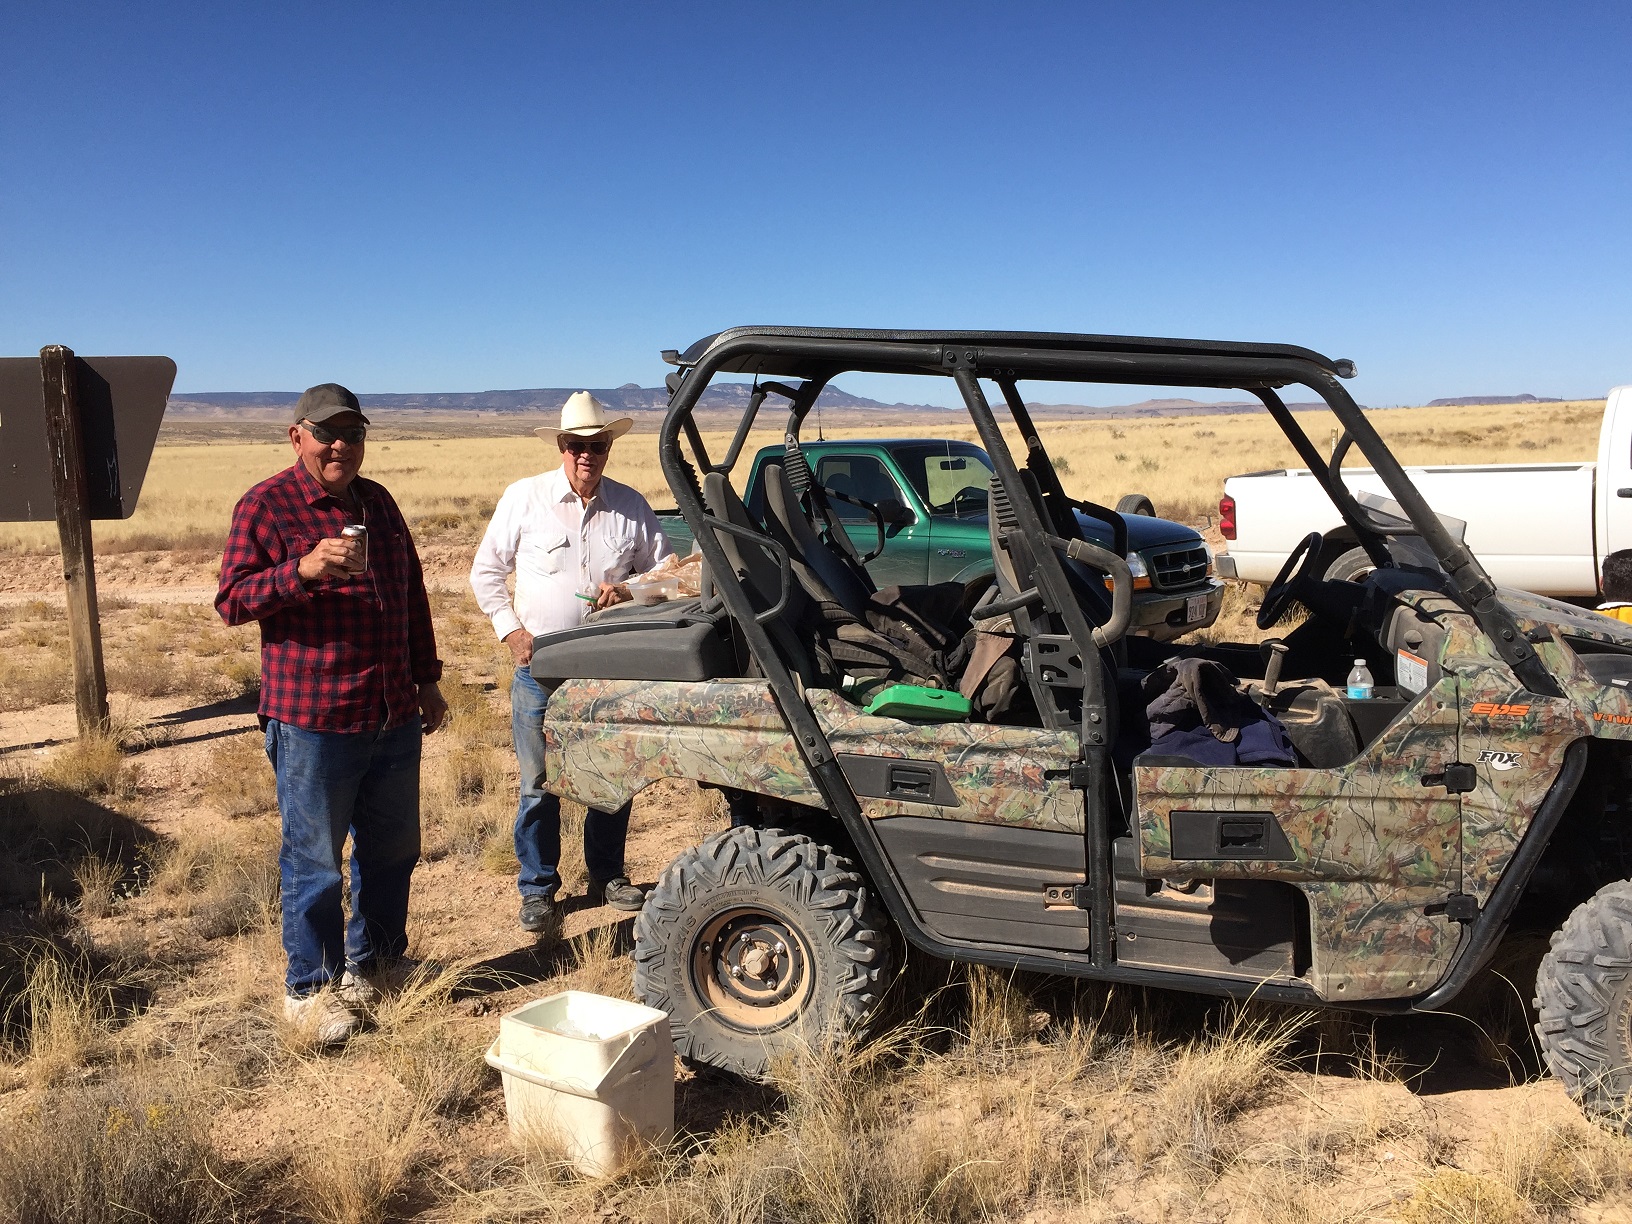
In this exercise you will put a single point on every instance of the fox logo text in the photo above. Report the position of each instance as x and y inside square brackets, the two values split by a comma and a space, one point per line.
[1500, 760]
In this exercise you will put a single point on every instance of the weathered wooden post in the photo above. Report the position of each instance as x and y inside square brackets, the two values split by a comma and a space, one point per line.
[65, 436]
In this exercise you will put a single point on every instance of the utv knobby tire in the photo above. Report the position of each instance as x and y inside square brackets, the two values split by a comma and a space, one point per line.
[1584, 1002]
[726, 894]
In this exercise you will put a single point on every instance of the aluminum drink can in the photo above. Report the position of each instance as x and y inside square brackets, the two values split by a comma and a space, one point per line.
[356, 531]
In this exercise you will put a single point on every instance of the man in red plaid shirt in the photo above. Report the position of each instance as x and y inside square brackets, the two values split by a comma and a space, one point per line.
[348, 684]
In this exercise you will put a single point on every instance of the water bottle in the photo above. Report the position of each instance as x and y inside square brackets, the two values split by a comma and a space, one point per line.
[1360, 682]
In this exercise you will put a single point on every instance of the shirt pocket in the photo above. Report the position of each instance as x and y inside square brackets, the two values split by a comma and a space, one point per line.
[621, 544]
[388, 554]
[544, 552]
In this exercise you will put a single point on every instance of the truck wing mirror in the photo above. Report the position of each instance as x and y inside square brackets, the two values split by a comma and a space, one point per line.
[895, 514]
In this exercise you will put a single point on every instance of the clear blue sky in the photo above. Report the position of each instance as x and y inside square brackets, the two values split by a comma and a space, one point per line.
[410, 197]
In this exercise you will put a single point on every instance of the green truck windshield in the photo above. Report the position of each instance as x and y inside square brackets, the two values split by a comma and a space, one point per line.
[949, 477]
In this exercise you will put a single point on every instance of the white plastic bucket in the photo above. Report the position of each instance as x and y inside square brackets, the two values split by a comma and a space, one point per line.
[588, 1075]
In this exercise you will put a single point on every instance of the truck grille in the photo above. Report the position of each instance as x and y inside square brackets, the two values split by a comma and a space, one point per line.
[1170, 571]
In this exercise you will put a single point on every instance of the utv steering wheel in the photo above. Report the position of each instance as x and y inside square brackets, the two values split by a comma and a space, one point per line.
[1281, 593]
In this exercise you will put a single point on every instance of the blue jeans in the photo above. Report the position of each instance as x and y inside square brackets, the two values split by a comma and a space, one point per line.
[330, 783]
[538, 815]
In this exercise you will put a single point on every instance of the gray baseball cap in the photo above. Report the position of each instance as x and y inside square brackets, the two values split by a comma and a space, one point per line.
[317, 404]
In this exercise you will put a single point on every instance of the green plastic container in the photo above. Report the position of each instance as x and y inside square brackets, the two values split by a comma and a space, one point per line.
[915, 703]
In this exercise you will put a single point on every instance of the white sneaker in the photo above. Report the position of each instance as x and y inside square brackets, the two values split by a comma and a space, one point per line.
[356, 991]
[322, 1015]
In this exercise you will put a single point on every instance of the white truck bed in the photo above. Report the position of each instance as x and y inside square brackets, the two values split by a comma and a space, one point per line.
[1531, 524]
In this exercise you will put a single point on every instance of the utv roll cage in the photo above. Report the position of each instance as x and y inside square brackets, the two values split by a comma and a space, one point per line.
[811, 357]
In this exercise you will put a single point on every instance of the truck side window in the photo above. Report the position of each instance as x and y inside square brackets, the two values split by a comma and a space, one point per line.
[859, 476]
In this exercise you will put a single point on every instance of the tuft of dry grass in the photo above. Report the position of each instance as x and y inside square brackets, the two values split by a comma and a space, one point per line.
[352, 1179]
[1556, 1167]
[91, 765]
[1210, 1081]
[1451, 1196]
[227, 885]
[112, 1153]
[98, 880]
[600, 966]
[239, 780]
[1000, 1012]
[62, 1014]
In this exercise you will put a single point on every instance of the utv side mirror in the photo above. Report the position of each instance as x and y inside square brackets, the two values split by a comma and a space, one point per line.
[895, 514]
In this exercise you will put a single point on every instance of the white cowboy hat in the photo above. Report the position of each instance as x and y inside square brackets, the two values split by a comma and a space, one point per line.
[585, 416]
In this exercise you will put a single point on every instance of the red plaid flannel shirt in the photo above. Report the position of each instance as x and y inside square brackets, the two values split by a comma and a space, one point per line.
[344, 654]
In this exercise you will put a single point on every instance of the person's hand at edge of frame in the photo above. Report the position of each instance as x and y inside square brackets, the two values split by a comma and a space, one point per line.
[433, 707]
[520, 642]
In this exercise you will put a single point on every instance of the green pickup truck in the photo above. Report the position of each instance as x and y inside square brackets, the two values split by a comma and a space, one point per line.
[930, 498]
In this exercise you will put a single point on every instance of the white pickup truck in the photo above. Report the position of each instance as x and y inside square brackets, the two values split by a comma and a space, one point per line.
[1540, 527]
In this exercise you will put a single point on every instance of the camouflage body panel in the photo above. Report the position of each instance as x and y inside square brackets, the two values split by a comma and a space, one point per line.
[1514, 739]
[1372, 846]
[999, 774]
[607, 740]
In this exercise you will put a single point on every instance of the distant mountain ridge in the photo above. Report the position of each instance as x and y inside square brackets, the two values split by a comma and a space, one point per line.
[633, 398]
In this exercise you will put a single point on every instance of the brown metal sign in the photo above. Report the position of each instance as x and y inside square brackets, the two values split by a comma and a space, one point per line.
[121, 403]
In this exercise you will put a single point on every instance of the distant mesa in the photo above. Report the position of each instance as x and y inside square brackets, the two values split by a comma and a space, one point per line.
[1463, 400]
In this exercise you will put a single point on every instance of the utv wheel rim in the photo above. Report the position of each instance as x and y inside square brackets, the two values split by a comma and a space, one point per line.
[752, 969]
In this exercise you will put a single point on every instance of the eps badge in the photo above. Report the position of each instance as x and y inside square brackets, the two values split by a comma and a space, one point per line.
[1500, 760]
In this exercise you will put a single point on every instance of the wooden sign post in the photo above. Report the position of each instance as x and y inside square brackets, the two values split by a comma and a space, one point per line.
[59, 376]
[76, 434]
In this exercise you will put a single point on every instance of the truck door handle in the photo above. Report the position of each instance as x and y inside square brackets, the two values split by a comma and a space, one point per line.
[910, 782]
[1242, 832]
[1623, 492]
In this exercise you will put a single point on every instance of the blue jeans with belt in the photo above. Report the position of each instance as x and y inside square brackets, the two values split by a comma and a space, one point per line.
[331, 783]
[538, 815]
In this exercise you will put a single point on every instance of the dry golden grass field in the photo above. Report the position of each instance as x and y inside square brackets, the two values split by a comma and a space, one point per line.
[146, 1074]
[448, 486]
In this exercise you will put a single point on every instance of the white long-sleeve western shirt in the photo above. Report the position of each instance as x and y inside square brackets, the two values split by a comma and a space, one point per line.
[560, 548]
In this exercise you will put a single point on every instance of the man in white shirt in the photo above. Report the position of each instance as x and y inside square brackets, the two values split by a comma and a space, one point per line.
[570, 536]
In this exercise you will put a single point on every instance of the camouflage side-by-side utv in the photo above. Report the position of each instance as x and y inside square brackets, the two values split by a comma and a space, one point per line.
[1476, 790]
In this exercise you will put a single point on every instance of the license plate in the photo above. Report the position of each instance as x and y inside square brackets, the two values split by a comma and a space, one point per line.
[1195, 609]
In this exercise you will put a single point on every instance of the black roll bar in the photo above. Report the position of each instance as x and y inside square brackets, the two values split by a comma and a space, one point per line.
[1098, 730]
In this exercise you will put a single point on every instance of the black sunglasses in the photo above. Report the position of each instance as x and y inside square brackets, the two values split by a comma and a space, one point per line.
[329, 434]
[595, 446]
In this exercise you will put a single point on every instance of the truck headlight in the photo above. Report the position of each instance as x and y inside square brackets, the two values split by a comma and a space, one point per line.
[1208, 549]
[1141, 575]
[1136, 567]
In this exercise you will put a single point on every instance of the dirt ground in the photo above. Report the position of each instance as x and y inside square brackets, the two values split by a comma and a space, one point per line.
[1017, 1099]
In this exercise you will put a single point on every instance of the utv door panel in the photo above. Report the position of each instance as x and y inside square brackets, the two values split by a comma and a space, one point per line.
[1246, 929]
[990, 883]
[1374, 850]
[607, 740]
[998, 775]
[1515, 743]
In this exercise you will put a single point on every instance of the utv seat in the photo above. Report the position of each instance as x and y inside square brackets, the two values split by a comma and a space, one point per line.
[841, 640]
[840, 584]
[761, 577]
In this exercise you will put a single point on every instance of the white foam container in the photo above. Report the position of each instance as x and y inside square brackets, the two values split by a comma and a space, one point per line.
[590, 1076]
[654, 590]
